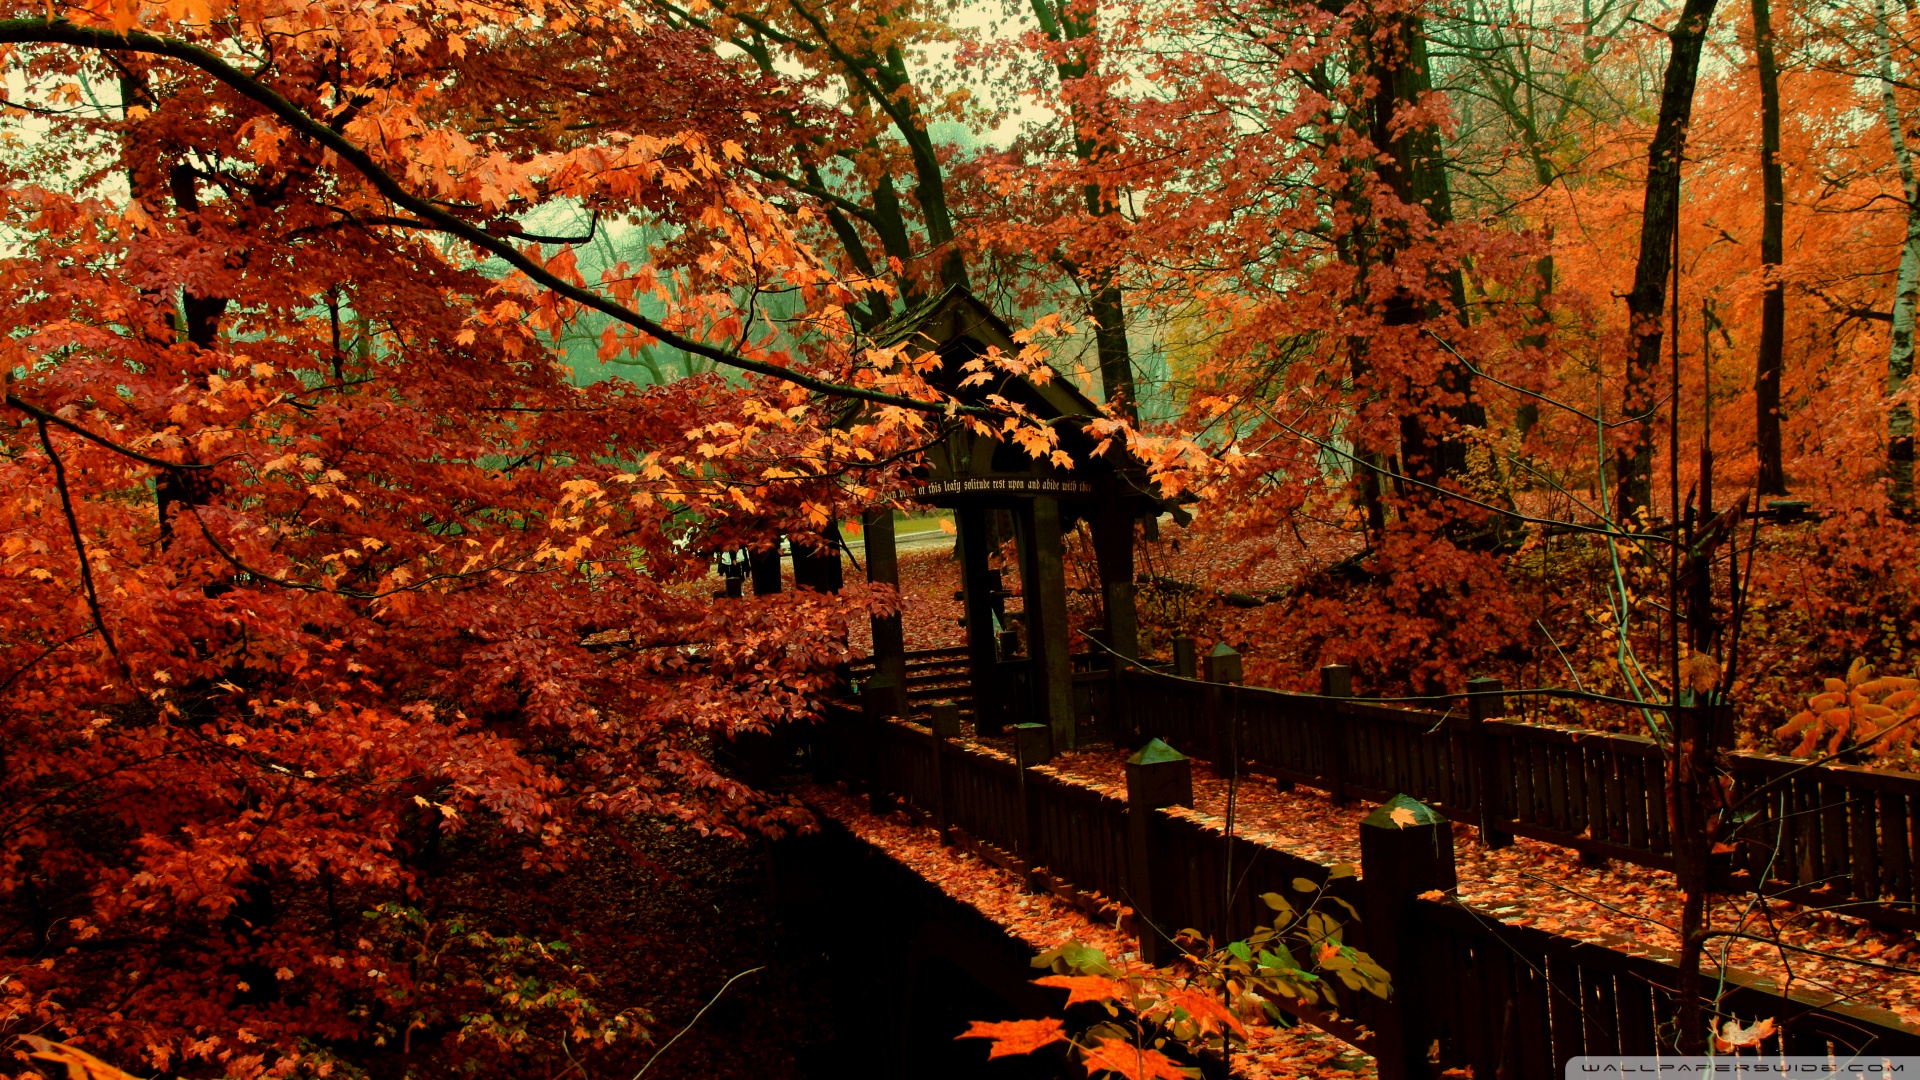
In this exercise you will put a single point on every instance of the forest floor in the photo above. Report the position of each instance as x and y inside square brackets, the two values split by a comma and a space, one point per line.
[663, 917]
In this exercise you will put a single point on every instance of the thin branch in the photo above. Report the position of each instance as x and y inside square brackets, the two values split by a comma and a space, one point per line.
[79, 546]
[62, 32]
[44, 418]
[696, 1019]
[351, 594]
[1451, 494]
[44, 653]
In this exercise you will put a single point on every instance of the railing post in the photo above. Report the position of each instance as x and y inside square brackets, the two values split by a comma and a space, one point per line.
[1486, 702]
[1406, 848]
[1157, 776]
[1336, 680]
[1032, 745]
[876, 700]
[944, 718]
[883, 567]
[1223, 743]
[1183, 657]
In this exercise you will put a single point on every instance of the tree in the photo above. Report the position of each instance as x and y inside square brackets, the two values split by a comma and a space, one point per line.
[1906, 286]
[1772, 478]
[1659, 219]
[325, 577]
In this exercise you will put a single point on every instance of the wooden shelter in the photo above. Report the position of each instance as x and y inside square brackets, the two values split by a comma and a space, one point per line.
[995, 487]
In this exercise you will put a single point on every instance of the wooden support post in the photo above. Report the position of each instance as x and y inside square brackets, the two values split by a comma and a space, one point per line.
[1031, 746]
[1489, 786]
[875, 700]
[1184, 662]
[1045, 584]
[1157, 776]
[1399, 861]
[1112, 527]
[889, 639]
[944, 718]
[978, 582]
[817, 566]
[1336, 680]
[1223, 736]
[766, 569]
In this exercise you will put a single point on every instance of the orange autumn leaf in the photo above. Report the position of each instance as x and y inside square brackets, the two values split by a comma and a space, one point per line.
[1012, 1037]
[1209, 1013]
[1118, 1057]
[80, 1064]
[1085, 987]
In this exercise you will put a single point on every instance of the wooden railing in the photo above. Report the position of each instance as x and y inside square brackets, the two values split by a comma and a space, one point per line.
[1832, 834]
[1506, 1001]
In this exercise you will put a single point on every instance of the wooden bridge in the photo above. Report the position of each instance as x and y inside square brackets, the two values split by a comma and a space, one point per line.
[1471, 991]
[1508, 1001]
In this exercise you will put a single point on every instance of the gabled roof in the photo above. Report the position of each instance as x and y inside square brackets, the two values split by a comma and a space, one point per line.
[954, 315]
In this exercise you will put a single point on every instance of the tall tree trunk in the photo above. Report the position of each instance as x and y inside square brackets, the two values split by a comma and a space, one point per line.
[1068, 23]
[1659, 218]
[1906, 287]
[1772, 478]
[1416, 172]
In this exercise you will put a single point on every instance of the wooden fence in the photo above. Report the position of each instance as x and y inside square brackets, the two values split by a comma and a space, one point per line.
[1836, 835]
[1509, 1001]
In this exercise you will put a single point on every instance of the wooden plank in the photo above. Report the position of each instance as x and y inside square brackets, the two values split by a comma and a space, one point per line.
[1502, 785]
[1658, 834]
[1803, 813]
[1895, 868]
[1665, 1008]
[1569, 1031]
[1557, 788]
[1469, 986]
[1503, 1011]
[1616, 812]
[1523, 781]
[1634, 1004]
[1536, 1034]
[1633, 795]
[1593, 793]
[1863, 820]
[1913, 850]
[1549, 786]
[1834, 861]
[1596, 1009]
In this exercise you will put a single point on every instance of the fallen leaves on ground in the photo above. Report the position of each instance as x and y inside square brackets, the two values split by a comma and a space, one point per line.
[1534, 883]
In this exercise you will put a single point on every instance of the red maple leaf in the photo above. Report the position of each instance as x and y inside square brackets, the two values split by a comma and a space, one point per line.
[1207, 1011]
[1085, 987]
[1122, 1058]
[1016, 1036]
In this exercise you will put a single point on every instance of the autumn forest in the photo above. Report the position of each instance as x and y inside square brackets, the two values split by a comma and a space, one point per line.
[450, 447]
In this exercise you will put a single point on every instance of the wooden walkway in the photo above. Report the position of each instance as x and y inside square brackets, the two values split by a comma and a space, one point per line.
[1508, 1001]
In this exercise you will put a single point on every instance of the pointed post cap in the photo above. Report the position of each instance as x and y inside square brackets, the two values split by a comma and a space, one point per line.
[1406, 848]
[1395, 814]
[1154, 753]
[1223, 664]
